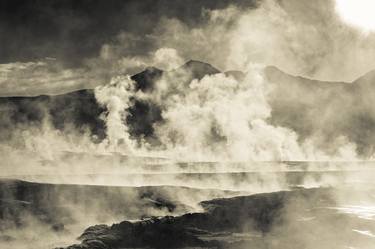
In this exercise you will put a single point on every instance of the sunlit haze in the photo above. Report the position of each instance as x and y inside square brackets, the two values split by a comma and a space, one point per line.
[359, 13]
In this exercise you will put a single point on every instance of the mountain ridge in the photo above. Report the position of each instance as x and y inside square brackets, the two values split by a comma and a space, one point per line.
[304, 105]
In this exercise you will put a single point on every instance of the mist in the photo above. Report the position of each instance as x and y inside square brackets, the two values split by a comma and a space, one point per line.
[188, 115]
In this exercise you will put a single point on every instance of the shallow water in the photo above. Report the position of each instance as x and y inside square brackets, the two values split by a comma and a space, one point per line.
[205, 180]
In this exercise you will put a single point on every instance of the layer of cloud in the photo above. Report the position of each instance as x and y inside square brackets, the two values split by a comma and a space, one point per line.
[46, 77]
[301, 37]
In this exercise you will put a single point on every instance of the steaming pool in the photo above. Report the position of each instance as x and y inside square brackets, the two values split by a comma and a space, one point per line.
[331, 198]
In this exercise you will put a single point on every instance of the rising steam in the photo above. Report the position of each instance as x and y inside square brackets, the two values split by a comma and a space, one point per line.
[213, 129]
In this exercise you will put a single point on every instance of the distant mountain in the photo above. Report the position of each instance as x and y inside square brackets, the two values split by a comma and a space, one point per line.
[309, 107]
[367, 78]
[197, 69]
[146, 79]
[238, 75]
[76, 110]
[143, 114]
[326, 109]
[190, 70]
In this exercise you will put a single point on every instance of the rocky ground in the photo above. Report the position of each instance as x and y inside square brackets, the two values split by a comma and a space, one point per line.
[301, 218]
[61, 211]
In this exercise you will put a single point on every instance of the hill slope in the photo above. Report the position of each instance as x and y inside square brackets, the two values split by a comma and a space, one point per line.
[310, 107]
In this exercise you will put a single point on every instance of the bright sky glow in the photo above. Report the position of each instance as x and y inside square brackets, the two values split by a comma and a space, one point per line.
[358, 13]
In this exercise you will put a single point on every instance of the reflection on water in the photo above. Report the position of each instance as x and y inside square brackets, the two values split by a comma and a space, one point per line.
[367, 233]
[363, 212]
[122, 170]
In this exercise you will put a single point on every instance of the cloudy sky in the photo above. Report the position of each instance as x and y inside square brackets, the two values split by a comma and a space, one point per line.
[72, 31]
[49, 47]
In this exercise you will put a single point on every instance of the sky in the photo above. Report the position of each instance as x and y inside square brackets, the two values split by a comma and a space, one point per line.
[72, 31]
[52, 47]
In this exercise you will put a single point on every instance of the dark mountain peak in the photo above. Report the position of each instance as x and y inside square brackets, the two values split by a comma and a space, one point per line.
[152, 70]
[236, 74]
[196, 62]
[279, 77]
[366, 79]
[198, 69]
[275, 71]
[272, 68]
[145, 80]
[149, 71]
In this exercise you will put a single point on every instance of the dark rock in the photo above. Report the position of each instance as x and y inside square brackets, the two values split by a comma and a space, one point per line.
[212, 229]
[145, 80]
[198, 69]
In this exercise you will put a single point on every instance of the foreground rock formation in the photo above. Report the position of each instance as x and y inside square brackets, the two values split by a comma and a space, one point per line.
[302, 218]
